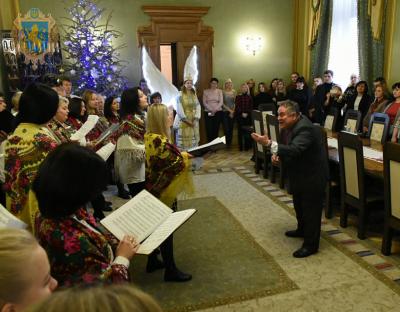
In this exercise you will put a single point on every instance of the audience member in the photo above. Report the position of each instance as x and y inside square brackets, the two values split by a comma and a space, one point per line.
[252, 88]
[144, 87]
[262, 96]
[377, 106]
[26, 148]
[243, 108]
[155, 98]
[229, 95]
[301, 95]
[280, 92]
[272, 87]
[66, 83]
[24, 271]
[360, 101]
[213, 102]
[7, 119]
[393, 109]
[292, 84]
[115, 298]
[320, 96]
[79, 249]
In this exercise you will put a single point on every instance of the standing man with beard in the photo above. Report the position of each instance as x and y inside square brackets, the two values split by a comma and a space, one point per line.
[305, 159]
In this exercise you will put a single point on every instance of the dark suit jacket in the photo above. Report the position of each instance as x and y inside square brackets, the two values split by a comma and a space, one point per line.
[304, 158]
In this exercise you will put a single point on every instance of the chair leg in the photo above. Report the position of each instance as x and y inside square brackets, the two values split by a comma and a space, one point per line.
[362, 223]
[282, 180]
[343, 215]
[258, 165]
[265, 173]
[328, 202]
[387, 240]
[273, 174]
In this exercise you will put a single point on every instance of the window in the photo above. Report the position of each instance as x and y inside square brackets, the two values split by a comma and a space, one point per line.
[343, 50]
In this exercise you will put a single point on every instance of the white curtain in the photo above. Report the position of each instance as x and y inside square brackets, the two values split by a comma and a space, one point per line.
[343, 50]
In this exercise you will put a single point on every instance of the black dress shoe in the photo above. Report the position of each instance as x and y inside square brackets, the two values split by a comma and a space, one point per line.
[304, 252]
[175, 275]
[294, 233]
[107, 208]
[154, 264]
[124, 195]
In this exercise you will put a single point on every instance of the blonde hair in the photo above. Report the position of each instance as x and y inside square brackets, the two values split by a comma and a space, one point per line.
[247, 88]
[115, 298]
[15, 100]
[62, 100]
[16, 247]
[157, 115]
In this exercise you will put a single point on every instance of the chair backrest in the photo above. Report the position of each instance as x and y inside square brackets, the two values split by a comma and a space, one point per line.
[378, 127]
[258, 124]
[273, 128]
[270, 108]
[331, 119]
[351, 162]
[352, 120]
[391, 176]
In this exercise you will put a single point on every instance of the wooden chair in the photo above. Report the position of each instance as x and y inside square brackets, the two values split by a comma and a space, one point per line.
[269, 108]
[330, 184]
[378, 127]
[331, 119]
[274, 135]
[353, 191]
[391, 176]
[352, 120]
[262, 157]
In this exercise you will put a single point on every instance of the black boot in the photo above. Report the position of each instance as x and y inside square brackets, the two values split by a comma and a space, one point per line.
[172, 273]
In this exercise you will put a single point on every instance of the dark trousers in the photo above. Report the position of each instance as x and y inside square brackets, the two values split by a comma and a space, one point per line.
[227, 123]
[212, 125]
[2, 195]
[98, 205]
[136, 188]
[244, 139]
[308, 207]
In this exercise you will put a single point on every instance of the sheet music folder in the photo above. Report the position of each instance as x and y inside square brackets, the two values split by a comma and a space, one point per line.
[147, 219]
[214, 145]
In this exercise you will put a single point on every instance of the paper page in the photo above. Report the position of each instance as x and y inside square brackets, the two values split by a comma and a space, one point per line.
[351, 125]
[213, 142]
[139, 217]
[272, 133]
[106, 151]
[164, 230]
[332, 142]
[377, 131]
[8, 220]
[85, 129]
[107, 133]
[373, 154]
[257, 127]
[329, 122]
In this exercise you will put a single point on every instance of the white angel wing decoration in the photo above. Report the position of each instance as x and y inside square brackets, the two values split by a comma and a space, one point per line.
[190, 69]
[157, 81]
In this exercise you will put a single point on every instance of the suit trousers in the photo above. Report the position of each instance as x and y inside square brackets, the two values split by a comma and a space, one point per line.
[212, 125]
[308, 207]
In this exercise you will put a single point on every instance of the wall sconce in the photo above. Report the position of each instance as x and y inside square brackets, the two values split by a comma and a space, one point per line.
[253, 44]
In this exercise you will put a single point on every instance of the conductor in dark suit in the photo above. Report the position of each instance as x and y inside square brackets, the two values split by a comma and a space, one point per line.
[305, 160]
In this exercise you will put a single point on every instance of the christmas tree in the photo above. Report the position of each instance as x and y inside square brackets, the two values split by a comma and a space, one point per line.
[93, 62]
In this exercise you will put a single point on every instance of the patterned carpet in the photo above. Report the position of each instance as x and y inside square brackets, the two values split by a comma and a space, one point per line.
[346, 275]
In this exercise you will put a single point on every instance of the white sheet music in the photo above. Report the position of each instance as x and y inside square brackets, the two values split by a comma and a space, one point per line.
[106, 151]
[164, 230]
[257, 127]
[85, 129]
[139, 217]
[332, 142]
[373, 154]
[213, 142]
[8, 220]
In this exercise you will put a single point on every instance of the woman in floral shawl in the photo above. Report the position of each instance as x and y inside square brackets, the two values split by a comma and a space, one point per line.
[167, 174]
[26, 148]
[80, 250]
[130, 153]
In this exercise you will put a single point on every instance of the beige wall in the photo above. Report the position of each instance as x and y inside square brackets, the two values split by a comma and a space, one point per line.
[231, 20]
